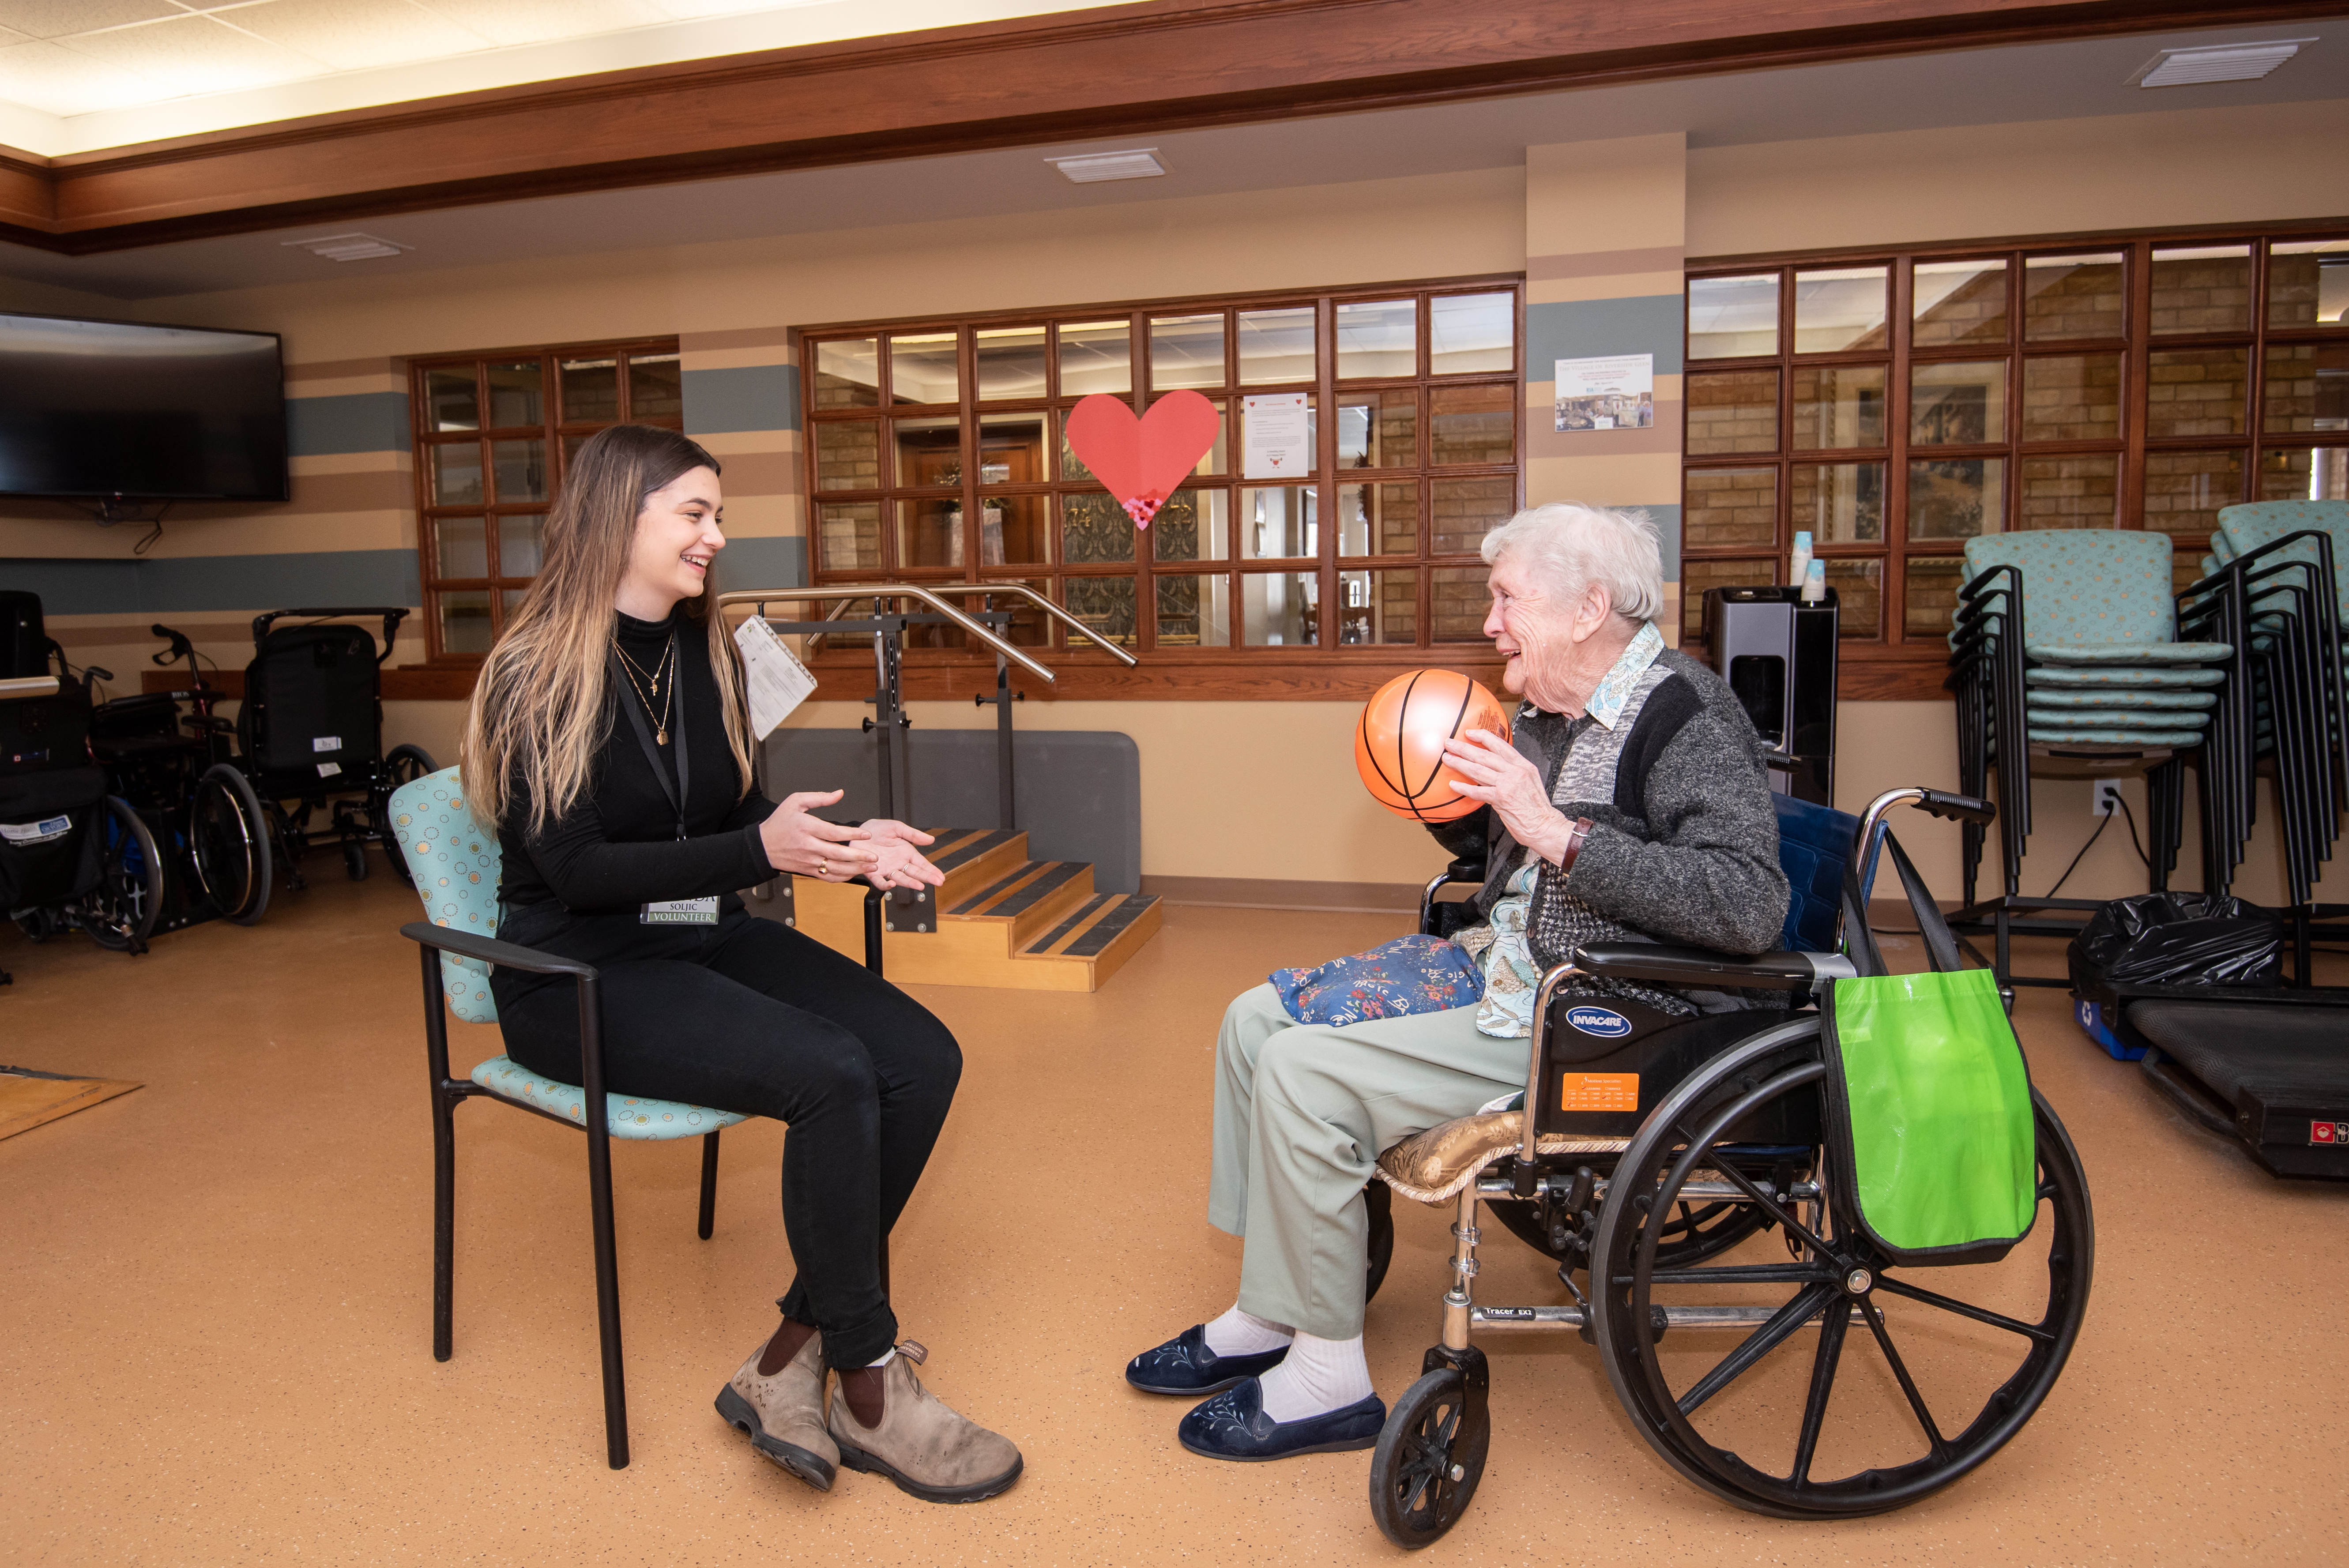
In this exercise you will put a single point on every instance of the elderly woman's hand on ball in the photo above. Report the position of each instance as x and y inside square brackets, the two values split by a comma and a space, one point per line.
[1489, 768]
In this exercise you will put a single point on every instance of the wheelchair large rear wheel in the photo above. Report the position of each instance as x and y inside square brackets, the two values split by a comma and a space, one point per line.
[229, 837]
[406, 765]
[1694, 1231]
[120, 912]
[1864, 1386]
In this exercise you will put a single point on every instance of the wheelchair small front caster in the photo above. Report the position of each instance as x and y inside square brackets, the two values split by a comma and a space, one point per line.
[1431, 1452]
[354, 861]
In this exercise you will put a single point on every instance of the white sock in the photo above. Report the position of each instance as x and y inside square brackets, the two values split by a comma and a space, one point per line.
[1318, 1377]
[1239, 1333]
[886, 1357]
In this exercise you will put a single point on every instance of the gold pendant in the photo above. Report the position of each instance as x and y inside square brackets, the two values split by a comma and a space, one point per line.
[661, 738]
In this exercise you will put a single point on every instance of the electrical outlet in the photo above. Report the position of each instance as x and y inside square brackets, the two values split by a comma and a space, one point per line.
[2107, 799]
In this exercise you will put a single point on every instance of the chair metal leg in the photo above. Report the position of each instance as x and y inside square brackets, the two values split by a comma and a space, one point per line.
[599, 1193]
[444, 1159]
[709, 1182]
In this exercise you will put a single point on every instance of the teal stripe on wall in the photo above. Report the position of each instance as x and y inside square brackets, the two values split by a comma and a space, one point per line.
[743, 397]
[1667, 519]
[356, 422]
[763, 563]
[185, 585]
[1588, 329]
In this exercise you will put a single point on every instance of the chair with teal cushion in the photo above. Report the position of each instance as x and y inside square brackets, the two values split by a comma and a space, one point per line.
[453, 861]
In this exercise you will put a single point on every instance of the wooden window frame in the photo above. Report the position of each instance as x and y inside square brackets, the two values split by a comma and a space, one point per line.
[552, 429]
[1326, 668]
[1900, 664]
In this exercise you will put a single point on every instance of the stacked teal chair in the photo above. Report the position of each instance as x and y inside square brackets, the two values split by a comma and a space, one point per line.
[2065, 662]
[454, 863]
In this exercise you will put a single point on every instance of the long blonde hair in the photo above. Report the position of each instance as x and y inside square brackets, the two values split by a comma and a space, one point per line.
[538, 717]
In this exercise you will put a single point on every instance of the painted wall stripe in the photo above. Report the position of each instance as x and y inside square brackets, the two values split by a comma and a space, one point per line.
[1595, 263]
[769, 561]
[356, 422]
[182, 584]
[745, 398]
[1585, 329]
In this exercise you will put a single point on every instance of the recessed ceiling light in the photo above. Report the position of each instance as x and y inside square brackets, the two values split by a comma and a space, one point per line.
[1139, 163]
[2216, 63]
[350, 247]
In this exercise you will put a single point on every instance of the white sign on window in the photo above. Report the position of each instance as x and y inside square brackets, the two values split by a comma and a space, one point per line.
[1276, 435]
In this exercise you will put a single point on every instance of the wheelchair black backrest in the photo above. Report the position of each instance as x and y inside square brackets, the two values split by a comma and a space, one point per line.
[312, 703]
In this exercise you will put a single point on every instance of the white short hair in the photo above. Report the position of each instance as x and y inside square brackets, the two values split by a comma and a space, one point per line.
[1572, 547]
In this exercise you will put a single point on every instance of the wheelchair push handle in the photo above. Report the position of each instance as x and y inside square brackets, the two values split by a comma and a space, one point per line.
[393, 615]
[1956, 807]
[180, 647]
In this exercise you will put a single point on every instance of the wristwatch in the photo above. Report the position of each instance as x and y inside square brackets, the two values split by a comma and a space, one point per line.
[1574, 837]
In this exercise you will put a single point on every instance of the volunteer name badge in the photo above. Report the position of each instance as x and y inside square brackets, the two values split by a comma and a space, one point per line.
[778, 682]
[680, 912]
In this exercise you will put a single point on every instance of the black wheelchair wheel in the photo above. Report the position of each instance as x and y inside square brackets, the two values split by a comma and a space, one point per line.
[1431, 1453]
[119, 914]
[354, 861]
[37, 925]
[1927, 1380]
[1692, 1232]
[406, 765]
[1379, 1199]
[230, 836]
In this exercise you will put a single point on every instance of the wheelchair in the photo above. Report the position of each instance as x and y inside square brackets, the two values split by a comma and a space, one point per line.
[1652, 1157]
[310, 737]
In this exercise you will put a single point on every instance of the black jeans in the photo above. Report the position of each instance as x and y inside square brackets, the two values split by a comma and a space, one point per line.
[751, 1016]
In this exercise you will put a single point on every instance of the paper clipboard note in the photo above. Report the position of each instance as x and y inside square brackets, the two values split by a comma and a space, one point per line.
[778, 682]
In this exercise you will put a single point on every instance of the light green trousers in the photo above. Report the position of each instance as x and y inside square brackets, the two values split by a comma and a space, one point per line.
[1302, 1113]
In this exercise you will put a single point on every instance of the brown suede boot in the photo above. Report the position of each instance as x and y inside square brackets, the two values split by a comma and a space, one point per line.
[925, 1448]
[783, 1414]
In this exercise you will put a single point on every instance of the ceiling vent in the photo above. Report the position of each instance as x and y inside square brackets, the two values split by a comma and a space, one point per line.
[2217, 63]
[350, 247]
[1140, 164]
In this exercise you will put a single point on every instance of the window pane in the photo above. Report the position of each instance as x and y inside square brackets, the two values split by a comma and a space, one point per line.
[1280, 609]
[848, 373]
[1011, 449]
[1838, 405]
[1378, 607]
[1731, 506]
[848, 455]
[1933, 582]
[2308, 282]
[1192, 526]
[1956, 405]
[929, 533]
[1729, 317]
[509, 601]
[517, 394]
[930, 451]
[1278, 523]
[849, 536]
[1471, 332]
[461, 547]
[1958, 302]
[521, 545]
[1838, 504]
[1275, 345]
[2305, 473]
[1013, 529]
[457, 474]
[1473, 424]
[2198, 392]
[1377, 429]
[655, 387]
[1378, 519]
[1010, 361]
[2307, 387]
[1957, 497]
[1195, 612]
[1098, 356]
[1186, 350]
[1105, 605]
[922, 368]
[2076, 398]
[2183, 493]
[591, 390]
[521, 469]
[2079, 491]
[1458, 601]
[1094, 528]
[2073, 297]
[1859, 597]
[1732, 411]
[2203, 288]
[451, 401]
[1381, 339]
[1464, 510]
[1698, 577]
[1838, 309]
[465, 622]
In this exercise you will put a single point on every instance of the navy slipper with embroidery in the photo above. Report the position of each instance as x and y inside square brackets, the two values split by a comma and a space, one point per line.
[1233, 1426]
[1185, 1365]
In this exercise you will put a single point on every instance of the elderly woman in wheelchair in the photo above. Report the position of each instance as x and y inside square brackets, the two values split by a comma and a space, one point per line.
[1596, 1053]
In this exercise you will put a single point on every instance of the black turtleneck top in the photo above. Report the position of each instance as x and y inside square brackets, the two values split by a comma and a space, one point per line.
[618, 847]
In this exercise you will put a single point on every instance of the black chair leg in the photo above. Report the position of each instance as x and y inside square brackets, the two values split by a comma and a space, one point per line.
[709, 1182]
[599, 1195]
[444, 1225]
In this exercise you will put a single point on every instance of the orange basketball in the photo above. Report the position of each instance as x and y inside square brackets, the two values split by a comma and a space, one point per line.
[1399, 744]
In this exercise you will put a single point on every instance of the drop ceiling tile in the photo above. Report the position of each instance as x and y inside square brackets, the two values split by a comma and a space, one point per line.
[195, 54]
[55, 18]
[354, 34]
[55, 80]
[537, 21]
[10, 35]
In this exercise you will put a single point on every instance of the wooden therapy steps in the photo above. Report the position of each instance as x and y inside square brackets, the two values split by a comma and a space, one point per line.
[1002, 919]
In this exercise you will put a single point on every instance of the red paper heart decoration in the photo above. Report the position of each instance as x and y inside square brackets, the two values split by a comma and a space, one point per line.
[1140, 461]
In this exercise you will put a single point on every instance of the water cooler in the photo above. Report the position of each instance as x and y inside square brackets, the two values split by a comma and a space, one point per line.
[1778, 654]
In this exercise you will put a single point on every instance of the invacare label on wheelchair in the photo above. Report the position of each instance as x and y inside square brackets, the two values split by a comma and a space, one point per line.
[1603, 1022]
[39, 833]
[1598, 1091]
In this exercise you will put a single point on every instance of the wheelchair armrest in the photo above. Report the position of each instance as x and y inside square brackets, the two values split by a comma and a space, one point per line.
[489, 950]
[1699, 966]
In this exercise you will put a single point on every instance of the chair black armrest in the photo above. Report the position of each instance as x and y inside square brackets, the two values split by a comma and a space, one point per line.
[1699, 966]
[489, 950]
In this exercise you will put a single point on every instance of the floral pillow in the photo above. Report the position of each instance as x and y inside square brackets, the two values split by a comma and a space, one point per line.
[1410, 975]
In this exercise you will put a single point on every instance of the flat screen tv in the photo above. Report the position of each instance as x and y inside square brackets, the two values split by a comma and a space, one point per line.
[126, 410]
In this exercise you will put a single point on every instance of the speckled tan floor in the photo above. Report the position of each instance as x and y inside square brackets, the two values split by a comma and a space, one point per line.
[216, 1323]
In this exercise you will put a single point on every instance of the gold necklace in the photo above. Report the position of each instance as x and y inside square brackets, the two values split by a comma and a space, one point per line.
[660, 719]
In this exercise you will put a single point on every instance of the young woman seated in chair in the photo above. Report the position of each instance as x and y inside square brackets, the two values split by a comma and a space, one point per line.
[608, 740]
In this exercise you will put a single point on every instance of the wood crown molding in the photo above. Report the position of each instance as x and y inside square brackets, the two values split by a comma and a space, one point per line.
[1161, 66]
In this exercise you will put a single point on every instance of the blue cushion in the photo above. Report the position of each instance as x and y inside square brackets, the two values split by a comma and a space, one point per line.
[2078, 676]
[650, 1120]
[2180, 737]
[2129, 653]
[1814, 845]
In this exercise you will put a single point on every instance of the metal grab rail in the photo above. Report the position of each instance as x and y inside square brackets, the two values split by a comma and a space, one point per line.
[1050, 609]
[894, 591]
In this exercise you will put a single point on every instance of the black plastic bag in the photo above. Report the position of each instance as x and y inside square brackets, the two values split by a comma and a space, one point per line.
[2180, 939]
